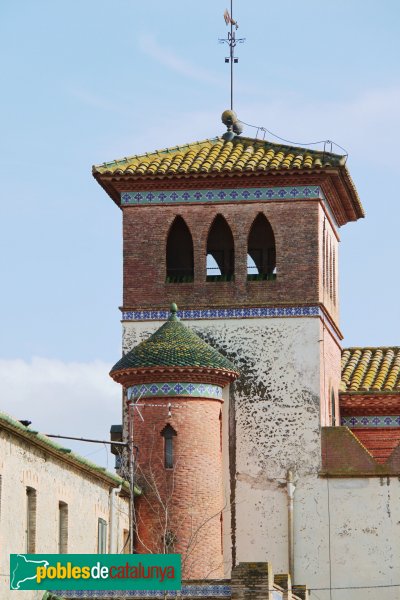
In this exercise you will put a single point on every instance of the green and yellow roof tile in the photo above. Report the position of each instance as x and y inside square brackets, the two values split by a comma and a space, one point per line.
[174, 347]
[371, 370]
[218, 155]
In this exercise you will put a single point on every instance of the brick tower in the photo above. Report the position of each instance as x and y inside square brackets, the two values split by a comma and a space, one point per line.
[243, 234]
[174, 382]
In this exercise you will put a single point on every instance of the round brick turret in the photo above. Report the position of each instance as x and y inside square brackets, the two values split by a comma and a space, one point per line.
[173, 384]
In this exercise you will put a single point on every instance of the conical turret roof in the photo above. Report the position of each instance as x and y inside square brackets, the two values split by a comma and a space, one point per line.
[174, 345]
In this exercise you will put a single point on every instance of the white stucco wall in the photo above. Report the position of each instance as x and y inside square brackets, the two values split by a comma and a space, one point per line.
[88, 499]
[277, 421]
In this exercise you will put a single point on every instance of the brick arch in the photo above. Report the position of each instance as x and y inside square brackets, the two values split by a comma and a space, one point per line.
[221, 246]
[261, 247]
[179, 252]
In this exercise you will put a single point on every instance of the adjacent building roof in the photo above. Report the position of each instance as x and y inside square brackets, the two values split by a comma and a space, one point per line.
[174, 345]
[64, 454]
[371, 370]
[380, 442]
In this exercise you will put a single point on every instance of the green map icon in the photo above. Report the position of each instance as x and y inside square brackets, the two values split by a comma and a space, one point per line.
[23, 569]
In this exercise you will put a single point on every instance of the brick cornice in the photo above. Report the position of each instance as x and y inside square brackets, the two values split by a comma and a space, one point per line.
[341, 193]
[128, 377]
[359, 403]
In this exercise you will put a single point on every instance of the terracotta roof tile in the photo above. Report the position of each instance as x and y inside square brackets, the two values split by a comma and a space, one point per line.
[380, 442]
[216, 154]
[371, 370]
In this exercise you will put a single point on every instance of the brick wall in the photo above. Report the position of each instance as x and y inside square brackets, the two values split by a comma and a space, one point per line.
[295, 227]
[187, 501]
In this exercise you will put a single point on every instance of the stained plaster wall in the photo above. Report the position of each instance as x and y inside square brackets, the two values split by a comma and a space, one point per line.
[272, 416]
[23, 465]
[272, 419]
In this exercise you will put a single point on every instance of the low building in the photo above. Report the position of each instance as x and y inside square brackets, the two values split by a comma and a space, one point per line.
[54, 501]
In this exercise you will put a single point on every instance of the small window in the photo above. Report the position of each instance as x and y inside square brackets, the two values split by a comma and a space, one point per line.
[30, 520]
[62, 528]
[102, 537]
[125, 542]
[168, 434]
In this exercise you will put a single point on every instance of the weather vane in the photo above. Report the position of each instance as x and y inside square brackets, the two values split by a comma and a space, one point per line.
[231, 40]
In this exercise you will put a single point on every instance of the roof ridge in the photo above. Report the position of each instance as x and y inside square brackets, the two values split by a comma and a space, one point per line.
[237, 139]
[64, 453]
[371, 348]
[167, 150]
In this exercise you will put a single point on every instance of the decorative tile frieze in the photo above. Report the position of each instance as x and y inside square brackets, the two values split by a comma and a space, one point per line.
[157, 390]
[187, 591]
[224, 313]
[371, 421]
[300, 192]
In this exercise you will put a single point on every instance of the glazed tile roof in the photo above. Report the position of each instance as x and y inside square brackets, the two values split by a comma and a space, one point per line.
[217, 155]
[371, 370]
[173, 345]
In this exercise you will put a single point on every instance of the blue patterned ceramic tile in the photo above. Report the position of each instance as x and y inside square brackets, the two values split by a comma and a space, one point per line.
[152, 390]
[371, 421]
[224, 313]
[187, 591]
[221, 195]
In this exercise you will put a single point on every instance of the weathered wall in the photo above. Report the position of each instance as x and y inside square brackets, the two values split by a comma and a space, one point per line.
[273, 419]
[22, 465]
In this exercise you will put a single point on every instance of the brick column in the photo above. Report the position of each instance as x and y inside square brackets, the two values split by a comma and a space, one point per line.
[252, 581]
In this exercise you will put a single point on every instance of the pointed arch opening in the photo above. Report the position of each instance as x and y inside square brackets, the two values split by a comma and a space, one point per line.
[220, 251]
[180, 268]
[261, 253]
[168, 433]
[333, 408]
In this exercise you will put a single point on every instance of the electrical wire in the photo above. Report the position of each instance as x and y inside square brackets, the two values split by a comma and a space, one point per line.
[265, 130]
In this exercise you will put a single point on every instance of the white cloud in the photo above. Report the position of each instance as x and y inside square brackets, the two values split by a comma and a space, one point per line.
[75, 399]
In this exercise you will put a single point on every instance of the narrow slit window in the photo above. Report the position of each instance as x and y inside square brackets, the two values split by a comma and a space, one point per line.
[30, 520]
[333, 408]
[168, 434]
[62, 528]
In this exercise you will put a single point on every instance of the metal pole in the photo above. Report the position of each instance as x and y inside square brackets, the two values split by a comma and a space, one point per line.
[290, 493]
[232, 54]
[131, 480]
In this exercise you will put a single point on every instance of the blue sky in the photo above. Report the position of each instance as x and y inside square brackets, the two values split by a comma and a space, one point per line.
[86, 82]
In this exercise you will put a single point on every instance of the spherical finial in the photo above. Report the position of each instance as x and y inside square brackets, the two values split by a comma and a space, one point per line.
[173, 316]
[237, 127]
[228, 117]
